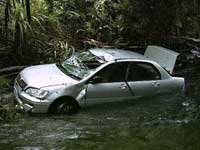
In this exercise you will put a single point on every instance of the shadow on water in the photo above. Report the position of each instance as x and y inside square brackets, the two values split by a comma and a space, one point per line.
[167, 122]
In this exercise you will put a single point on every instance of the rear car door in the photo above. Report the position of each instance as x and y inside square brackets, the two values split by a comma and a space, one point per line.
[144, 79]
[112, 86]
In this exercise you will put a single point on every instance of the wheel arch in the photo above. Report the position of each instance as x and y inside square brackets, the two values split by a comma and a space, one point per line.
[62, 98]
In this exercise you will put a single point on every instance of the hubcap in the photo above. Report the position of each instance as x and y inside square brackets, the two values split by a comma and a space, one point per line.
[65, 108]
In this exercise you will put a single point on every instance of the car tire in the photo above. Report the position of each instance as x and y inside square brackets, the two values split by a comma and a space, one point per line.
[63, 107]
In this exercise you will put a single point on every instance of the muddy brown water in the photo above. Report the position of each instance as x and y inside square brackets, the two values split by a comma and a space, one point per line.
[107, 125]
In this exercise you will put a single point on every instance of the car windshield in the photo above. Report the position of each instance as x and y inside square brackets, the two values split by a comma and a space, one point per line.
[80, 65]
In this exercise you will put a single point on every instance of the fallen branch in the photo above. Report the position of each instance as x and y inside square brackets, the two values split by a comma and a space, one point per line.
[193, 46]
[9, 75]
[9, 70]
[191, 39]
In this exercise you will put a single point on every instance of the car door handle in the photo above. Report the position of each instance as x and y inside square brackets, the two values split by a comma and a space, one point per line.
[123, 86]
[156, 84]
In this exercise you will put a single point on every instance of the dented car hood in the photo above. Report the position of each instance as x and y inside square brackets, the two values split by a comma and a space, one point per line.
[45, 75]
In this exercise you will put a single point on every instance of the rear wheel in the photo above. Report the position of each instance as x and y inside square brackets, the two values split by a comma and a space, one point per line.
[64, 107]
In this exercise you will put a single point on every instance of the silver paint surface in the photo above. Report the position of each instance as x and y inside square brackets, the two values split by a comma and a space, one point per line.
[50, 78]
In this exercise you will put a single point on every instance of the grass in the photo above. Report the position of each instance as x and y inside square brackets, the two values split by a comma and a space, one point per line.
[7, 109]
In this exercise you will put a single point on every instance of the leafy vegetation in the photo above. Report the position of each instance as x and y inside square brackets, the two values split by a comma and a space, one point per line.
[7, 110]
[42, 31]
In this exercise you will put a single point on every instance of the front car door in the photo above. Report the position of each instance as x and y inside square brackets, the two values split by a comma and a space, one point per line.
[112, 86]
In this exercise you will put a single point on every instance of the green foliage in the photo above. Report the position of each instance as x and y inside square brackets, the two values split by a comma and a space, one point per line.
[78, 22]
[4, 83]
[7, 110]
[19, 25]
[8, 113]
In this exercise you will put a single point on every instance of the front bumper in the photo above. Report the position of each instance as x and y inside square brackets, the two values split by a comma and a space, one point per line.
[29, 103]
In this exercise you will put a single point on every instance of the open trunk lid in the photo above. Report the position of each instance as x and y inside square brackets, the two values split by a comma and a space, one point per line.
[164, 57]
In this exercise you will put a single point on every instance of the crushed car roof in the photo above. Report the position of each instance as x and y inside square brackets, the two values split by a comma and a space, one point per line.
[114, 54]
[165, 57]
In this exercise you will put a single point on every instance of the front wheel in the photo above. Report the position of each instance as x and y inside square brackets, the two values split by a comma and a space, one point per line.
[65, 107]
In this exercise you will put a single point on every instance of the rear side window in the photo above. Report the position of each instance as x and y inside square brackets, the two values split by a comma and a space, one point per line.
[139, 71]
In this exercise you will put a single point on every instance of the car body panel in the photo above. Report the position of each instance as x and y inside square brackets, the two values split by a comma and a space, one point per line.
[172, 85]
[156, 87]
[107, 92]
[29, 103]
[50, 78]
[45, 75]
[144, 88]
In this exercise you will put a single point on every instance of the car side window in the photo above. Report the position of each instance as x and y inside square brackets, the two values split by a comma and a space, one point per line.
[113, 73]
[139, 71]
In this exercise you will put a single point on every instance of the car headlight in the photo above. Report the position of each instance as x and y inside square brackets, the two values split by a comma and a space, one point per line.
[37, 93]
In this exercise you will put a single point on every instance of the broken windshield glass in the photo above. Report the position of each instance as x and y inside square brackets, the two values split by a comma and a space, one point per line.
[80, 65]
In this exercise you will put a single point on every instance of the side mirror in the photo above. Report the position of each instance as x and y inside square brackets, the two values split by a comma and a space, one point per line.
[95, 79]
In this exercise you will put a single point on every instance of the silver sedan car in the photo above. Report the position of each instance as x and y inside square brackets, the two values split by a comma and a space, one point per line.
[96, 76]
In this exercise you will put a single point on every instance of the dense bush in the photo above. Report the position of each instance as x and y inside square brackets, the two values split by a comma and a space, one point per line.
[47, 30]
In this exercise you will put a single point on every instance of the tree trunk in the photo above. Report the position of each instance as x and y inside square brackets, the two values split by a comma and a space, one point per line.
[28, 11]
[6, 18]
